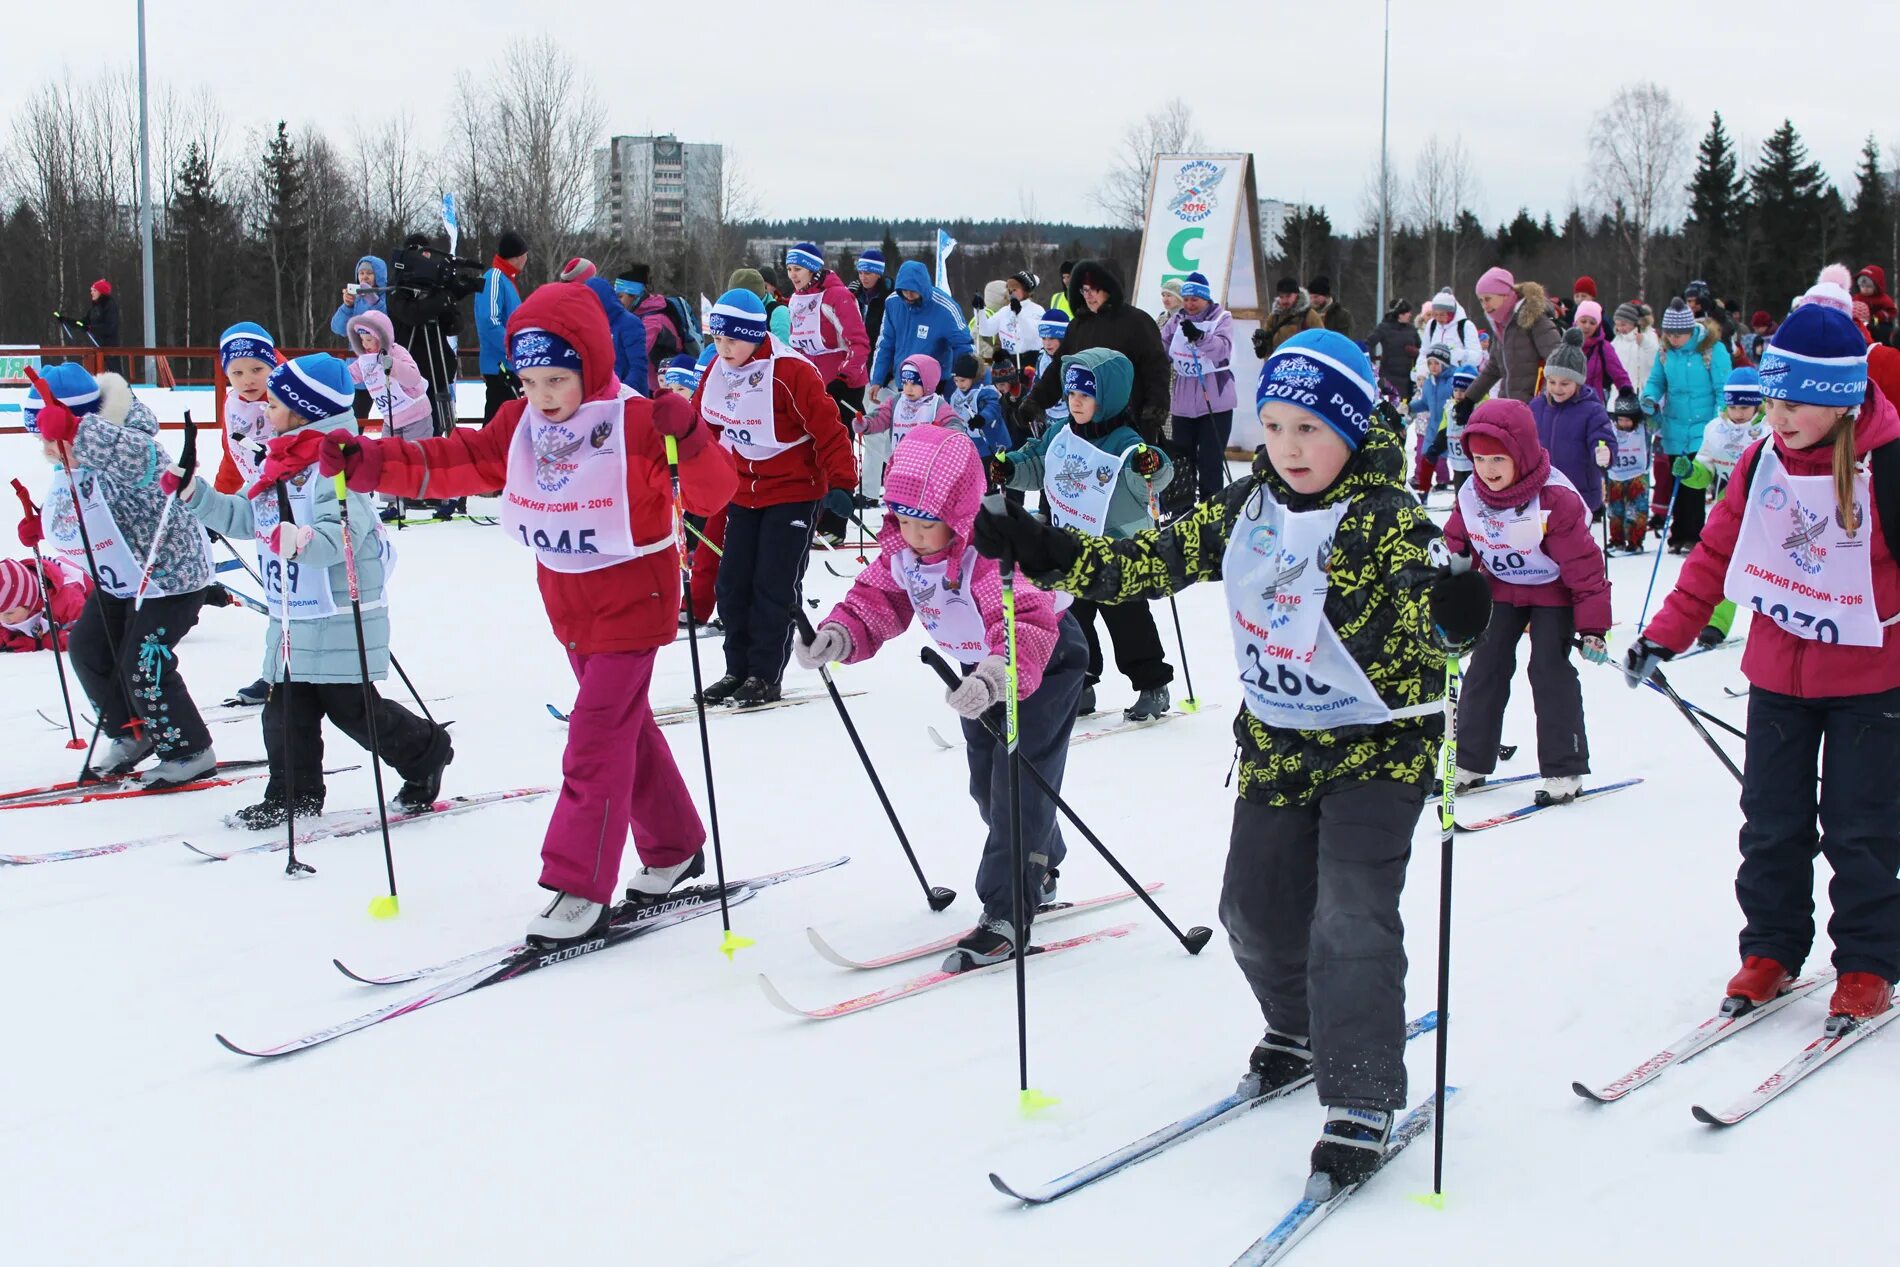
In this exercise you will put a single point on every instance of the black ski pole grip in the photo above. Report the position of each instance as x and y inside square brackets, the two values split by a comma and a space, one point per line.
[930, 656]
[805, 630]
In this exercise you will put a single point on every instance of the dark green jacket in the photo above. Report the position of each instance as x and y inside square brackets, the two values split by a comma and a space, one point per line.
[1377, 604]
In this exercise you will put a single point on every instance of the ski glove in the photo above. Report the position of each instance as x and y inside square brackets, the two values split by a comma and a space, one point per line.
[1693, 474]
[57, 423]
[997, 469]
[982, 690]
[1192, 331]
[1460, 602]
[31, 534]
[1594, 649]
[288, 539]
[674, 416]
[1015, 304]
[830, 644]
[1030, 414]
[1035, 547]
[1462, 410]
[1642, 660]
[1146, 462]
[839, 502]
[1262, 344]
[360, 459]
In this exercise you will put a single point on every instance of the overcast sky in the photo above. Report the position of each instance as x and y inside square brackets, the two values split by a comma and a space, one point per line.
[849, 107]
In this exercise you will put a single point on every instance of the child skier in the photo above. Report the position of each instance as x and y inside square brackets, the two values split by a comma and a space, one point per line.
[980, 406]
[1626, 484]
[27, 590]
[1096, 475]
[1805, 537]
[248, 354]
[1571, 422]
[609, 578]
[772, 412]
[915, 403]
[1741, 423]
[1431, 403]
[1449, 444]
[1051, 330]
[306, 573]
[1527, 528]
[929, 568]
[1684, 388]
[385, 370]
[100, 438]
[1329, 791]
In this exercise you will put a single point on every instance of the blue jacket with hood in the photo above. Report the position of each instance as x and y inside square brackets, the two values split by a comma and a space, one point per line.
[932, 326]
[629, 335]
[340, 320]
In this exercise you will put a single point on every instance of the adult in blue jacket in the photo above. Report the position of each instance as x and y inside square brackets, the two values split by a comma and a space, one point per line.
[372, 279]
[493, 306]
[629, 335]
[918, 319]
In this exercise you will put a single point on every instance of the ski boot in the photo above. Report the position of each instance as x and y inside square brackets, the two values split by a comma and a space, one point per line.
[653, 884]
[270, 811]
[118, 759]
[1278, 1060]
[1858, 996]
[1148, 705]
[1046, 891]
[991, 941]
[722, 690]
[1560, 789]
[1351, 1146]
[1086, 704]
[1760, 981]
[186, 767]
[566, 920]
[417, 795]
[251, 696]
[1464, 780]
[755, 692]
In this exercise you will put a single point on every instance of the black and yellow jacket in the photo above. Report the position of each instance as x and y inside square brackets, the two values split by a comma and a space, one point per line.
[1380, 574]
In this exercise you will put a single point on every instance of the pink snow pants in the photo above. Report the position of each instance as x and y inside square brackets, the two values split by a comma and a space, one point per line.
[617, 775]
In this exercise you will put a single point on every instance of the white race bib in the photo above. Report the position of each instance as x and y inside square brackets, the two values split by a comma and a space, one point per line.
[1794, 562]
[119, 568]
[907, 414]
[246, 435]
[808, 322]
[389, 395]
[949, 616]
[1079, 482]
[739, 403]
[309, 587]
[566, 497]
[1631, 457]
[1510, 542]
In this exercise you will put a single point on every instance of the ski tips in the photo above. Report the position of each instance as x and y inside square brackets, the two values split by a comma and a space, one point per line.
[732, 943]
[1030, 1102]
[384, 906]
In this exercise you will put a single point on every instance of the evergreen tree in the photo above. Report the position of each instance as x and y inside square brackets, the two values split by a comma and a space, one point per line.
[1787, 193]
[281, 184]
[1717, 194]
[1870, 220]
[200, 234]
[1306, 241]
[892, 257]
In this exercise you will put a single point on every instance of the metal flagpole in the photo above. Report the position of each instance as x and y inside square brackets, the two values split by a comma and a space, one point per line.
[1385, 181]
[145, 208]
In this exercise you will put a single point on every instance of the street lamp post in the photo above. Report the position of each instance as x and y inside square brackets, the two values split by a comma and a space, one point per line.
[145, 207]
[1385, 182]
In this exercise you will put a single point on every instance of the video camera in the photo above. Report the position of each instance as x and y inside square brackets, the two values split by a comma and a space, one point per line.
[424, 283]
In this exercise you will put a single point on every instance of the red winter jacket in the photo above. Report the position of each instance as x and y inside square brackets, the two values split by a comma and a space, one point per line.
[632, 606]
[70, 588]
[843, 329]
[1772, 658]
[800, 406]
[1880, 304]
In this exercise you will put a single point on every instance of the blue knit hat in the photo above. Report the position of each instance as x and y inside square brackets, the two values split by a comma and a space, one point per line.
[706, 355]
[1194, 286]
[1079, 379]
[740, 315]
[681, 371]
[1743, 387]
[1327, 375]
[807, 256]
[71, 386]
[1053, 325]
[533, 348]
[246, 341]
[1464, 375]
[314, 387]
[872, 261]
[1817, 357]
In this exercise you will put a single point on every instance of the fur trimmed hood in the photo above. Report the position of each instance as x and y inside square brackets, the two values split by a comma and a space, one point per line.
[118, 406]
[1534, 304]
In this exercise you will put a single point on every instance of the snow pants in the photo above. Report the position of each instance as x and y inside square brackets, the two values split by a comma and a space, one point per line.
[1044, 722]
[761, 578]
[144, 680]
[1562, 747]
[1852, 743]
[702, 594]
[410, 746]
[1131, 628]
[617, 775]
[1691, 508]
[1310, 902]
[1205, 439]
[1627, 504]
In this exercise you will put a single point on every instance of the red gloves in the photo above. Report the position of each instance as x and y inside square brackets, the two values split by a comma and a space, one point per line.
[31, 534]
[360, 459]
[57, 423]
[673, 416]
[1147, 462]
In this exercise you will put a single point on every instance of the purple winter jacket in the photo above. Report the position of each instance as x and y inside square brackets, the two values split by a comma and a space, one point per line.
[1602, 367]
[1213, 390]
[1571, 432]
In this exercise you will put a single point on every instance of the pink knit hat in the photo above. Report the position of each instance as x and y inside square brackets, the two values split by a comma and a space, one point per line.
[927, 369]
[17, 585]
[1497, 281]
[1592, 309]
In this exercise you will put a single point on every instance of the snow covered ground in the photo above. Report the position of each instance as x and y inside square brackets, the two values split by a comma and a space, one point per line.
[646, 1105]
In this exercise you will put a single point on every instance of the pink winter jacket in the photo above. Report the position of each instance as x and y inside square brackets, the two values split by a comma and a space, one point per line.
[403, 370]
[843, 327]
[1772, 658]
[938, 471]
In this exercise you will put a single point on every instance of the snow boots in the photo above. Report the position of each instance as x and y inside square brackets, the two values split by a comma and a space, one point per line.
[755, 692]
[270, 811]
[417, 795]
[722, 690]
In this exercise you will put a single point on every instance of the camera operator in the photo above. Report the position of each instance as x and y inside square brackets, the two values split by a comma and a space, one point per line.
[500, 297]
[425, 286]
[363, 295]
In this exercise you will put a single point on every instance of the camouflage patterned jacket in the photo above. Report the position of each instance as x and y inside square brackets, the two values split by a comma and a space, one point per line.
[1377, 605]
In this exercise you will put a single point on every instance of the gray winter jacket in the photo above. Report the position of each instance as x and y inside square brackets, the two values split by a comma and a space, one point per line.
[321, 649]
[116, 445]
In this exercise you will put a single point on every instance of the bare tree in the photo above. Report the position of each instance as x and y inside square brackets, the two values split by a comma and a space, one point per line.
[1443, 184]
[1395, 198]
[1639, 144]
[1123, 193]
[386, 170]
[712, 249]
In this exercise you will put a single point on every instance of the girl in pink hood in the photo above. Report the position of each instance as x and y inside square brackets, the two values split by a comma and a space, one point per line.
[1527, 527]
[929, 569]
[915, 404]
[383, 368]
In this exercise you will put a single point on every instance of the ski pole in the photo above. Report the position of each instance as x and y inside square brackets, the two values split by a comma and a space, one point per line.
[1688, 707]
[1669, 514]
[135, 723]
[936, 895]
[384, 906]
[188, 459]
[1191, 941]
[1448, 829]
[285, 518]
[46, 613]
[1190, 704]
[1662, 684]
[731, 942]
